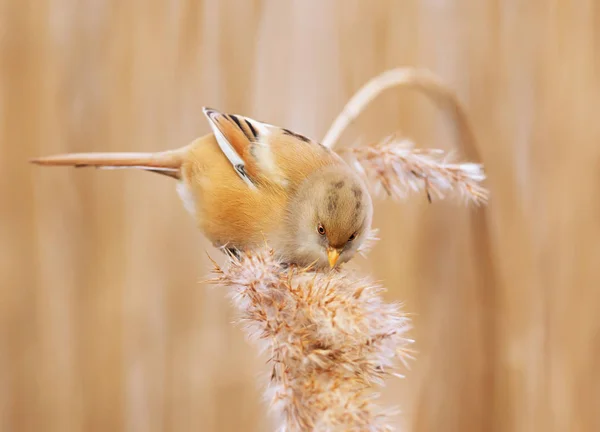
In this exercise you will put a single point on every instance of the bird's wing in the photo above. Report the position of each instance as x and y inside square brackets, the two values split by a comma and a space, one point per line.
[262, 153]
[248, 144]
[236, 136]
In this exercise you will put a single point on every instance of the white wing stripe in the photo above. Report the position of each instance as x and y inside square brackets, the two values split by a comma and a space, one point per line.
[235, 159]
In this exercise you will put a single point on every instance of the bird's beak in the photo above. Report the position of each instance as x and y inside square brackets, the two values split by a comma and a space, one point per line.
[332, 256]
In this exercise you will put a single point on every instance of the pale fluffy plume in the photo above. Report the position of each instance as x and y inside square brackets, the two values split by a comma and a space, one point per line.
[330, 338]
[395, 168]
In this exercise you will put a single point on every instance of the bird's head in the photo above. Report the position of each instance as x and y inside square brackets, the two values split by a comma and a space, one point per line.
[328, 218]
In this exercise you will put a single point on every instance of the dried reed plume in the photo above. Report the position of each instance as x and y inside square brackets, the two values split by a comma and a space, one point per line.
[329, 336]
[396, 168]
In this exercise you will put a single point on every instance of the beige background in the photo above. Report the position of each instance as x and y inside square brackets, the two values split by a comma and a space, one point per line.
[103, 326]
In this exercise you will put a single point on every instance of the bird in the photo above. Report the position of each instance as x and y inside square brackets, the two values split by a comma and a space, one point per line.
[247, 183]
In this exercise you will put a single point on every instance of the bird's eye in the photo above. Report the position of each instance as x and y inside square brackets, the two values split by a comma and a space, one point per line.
[352, 237]
[321, 229]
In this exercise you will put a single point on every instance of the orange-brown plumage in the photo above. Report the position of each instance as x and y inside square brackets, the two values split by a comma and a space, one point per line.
[249, 182]
[220, 195]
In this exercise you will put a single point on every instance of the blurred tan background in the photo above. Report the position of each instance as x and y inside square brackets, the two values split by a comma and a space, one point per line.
[103, 324]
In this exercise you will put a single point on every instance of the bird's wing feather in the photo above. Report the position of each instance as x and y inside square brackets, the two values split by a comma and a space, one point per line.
[263, 153]
[236, 135]
[248, 144]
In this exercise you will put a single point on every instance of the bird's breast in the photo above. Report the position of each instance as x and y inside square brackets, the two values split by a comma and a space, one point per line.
[226, 210]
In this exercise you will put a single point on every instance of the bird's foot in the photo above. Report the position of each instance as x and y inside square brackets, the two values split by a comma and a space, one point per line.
[232, 251]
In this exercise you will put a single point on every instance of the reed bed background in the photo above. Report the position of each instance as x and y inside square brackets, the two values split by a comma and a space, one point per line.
[103, 325]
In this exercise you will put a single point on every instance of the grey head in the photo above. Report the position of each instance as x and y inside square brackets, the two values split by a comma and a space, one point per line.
[327, 219]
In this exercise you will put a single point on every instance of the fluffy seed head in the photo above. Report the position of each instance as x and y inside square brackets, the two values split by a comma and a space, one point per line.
[395, 168]
[330, 338]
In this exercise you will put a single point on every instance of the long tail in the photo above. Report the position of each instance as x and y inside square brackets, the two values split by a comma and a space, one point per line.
[167, 162]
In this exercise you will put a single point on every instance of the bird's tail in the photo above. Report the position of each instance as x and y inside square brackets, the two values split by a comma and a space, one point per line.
[167, 162]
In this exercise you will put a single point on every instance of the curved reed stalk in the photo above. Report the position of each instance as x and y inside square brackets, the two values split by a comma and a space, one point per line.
[411, 78]
[395, 166]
